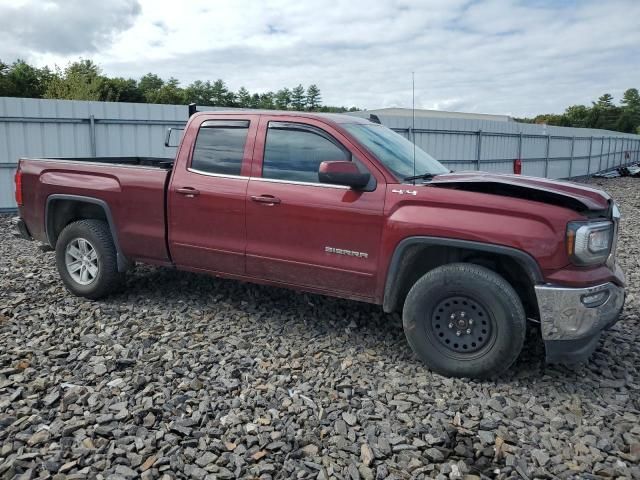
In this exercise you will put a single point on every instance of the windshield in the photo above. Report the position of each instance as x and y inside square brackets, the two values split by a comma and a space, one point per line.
[395, 151]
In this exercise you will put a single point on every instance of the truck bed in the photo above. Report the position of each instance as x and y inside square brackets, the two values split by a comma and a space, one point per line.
[132, 188]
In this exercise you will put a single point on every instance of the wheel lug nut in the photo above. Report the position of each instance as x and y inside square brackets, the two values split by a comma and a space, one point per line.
[453, 316]
[471, 321]
[451, 325]
[458, 333]
[468, 330]
[462, 314]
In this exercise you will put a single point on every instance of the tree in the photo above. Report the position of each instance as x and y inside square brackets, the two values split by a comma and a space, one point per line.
[631, 107]
[267, 101]
[577, 115]
[283, 99]
[149, 85]
[170, 93]
[220, 95]
[298, 98]
[199, 92]
[22, 80]
[120, 89]
[254, 101]
[80, 80]
[605, 101]
[243, 98]
[313, 97]
[604, 113]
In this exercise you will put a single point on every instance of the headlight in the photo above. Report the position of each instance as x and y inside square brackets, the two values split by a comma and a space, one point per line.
[589, 243]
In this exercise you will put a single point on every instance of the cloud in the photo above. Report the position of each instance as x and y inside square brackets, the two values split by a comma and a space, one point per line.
[494, 56]
[63, 26]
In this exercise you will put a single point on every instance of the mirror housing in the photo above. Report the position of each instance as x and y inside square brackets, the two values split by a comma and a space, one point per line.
[343, 173]
[170, 134]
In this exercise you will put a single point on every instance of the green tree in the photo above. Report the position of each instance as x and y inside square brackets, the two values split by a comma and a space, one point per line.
[313, 98]
[605, 101]
[243, 98]
[254, 101]
[22, 80]
[625, 123]
[199, 92]
[283, 99]
[120, 89]
[170, 93]
[631, 107]
[149, 85]
[577, 115]
[267, 101]
[298, 98]
[220, 95]
[80, 80]
[604, 113]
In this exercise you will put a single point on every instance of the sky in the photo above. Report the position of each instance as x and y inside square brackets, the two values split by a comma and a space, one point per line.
[513, 57]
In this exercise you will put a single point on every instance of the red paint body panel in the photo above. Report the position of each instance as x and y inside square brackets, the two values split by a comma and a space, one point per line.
[135, 196]
[315, 237]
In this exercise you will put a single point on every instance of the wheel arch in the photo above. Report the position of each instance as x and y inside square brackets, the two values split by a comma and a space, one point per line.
[415, 256]
[62, 209]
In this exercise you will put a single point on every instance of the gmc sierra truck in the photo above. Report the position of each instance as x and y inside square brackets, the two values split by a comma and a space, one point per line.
[342, 206]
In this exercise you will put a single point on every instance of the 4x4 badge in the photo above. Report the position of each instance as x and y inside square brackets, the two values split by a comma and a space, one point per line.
[408, 192]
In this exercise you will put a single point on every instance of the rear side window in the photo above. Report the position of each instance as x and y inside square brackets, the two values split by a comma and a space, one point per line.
[294, 152]
[220, 146]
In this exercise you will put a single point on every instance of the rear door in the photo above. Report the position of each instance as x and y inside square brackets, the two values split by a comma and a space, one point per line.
[207, 197]
[306, 233]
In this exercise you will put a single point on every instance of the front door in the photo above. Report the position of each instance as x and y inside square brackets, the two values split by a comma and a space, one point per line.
[207, 197]
[302, 232]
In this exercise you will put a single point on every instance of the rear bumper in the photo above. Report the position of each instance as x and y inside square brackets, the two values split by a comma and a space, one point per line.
[20, 228]
[572, 319]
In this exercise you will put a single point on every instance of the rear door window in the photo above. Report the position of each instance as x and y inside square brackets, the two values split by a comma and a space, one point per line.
[219, 147]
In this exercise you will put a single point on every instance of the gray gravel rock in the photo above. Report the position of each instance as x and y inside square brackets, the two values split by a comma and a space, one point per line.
[186, 376]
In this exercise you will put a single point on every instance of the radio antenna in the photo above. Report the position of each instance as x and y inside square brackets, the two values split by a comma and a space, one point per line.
[413, 121]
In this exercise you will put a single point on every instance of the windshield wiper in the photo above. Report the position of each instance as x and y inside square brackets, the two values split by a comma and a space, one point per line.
[422, 176]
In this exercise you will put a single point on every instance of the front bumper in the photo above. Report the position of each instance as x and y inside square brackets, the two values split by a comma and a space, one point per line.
[572, 319]
[20, 228]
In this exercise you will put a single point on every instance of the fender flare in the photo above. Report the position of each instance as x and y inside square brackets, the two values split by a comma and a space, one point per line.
[123, 263]
[391, 290]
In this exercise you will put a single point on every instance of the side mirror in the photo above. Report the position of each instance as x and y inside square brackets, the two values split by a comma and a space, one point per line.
[343, 173]
[172, 137]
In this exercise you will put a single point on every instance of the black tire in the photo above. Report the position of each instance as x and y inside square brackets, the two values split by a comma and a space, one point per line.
[107, 279]
[454, 294]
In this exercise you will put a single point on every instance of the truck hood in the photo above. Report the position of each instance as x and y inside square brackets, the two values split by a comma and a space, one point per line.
[567, 194]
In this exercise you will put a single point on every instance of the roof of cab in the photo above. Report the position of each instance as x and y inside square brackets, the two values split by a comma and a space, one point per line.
[327, 117]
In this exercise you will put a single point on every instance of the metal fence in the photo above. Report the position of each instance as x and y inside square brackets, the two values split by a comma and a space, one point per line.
[63, 128]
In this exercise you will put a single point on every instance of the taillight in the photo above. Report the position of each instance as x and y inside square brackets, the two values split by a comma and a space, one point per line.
[18, 179]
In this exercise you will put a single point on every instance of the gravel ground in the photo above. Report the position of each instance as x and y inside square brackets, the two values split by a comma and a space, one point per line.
[192, 377]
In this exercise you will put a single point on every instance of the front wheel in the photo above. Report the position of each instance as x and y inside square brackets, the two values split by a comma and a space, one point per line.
[86, 259]
[464, 320]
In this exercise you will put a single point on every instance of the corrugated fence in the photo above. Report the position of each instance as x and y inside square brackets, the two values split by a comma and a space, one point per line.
[63, 128]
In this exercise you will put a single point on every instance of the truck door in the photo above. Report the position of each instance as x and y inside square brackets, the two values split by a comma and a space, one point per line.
[207, 194]
[302, 232]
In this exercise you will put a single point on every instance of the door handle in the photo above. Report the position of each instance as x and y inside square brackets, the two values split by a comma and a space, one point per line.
[188, 191]
[266, 199]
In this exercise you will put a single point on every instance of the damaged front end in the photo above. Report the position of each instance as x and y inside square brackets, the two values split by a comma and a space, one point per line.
[571, 319]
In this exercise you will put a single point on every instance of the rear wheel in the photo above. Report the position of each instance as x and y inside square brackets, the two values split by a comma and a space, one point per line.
[464, 320]
[86, 259]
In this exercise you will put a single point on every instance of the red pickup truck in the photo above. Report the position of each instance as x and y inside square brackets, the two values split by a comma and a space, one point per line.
[341, 206]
